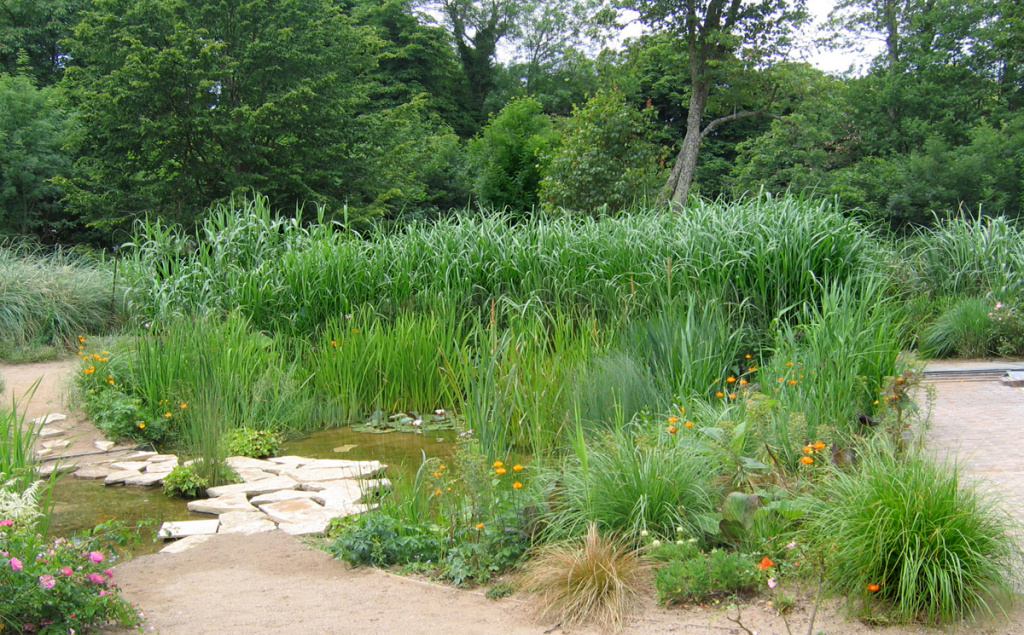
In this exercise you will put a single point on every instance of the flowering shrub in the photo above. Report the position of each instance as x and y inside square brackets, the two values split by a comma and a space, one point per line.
[55, 587]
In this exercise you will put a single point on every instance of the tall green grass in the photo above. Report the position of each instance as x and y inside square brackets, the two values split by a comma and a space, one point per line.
[17, 443]
[936, 547]
[47, 298]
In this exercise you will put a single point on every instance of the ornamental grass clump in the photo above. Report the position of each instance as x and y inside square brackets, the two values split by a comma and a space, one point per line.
[906, 540]
[596, 579]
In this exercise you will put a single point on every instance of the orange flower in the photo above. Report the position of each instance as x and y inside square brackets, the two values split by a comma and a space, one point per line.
[743, 382]
[747, 356]
[806, 460]
[517, 467]
[790, 364]
[820, 445]
[719, 394]
[688, 424]
[479, 525]
[873, 587]
[499, 471]
[765, 563]
[497, 464]
[517, 485]
[808, 449]
[183, 405]
[732, 395]
[437, 492]
[672, 429]
[730, 379]
[752, 369]
[673, 419]
[792, 382]
[167, 415]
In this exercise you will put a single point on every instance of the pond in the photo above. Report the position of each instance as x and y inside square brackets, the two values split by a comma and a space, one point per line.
[80, 504]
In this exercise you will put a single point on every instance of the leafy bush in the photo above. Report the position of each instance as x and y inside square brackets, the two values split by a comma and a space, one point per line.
[55, 587]
[692, 576]
[907, 537]
[185, 481]
[605, 161]
[380, 540]
[505, 157]
[590, 579]
[257, 444]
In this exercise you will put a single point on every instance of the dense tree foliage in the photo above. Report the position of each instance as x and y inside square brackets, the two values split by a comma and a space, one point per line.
[112, 110]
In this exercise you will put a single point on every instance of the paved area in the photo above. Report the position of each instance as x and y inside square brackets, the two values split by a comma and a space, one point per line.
[980, 421]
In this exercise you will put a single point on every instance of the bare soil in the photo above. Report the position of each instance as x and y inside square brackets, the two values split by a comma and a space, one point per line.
[275, 583]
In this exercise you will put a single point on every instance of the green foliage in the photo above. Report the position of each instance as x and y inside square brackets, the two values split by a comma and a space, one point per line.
[32, 33]
[17, 443]
[47, 299]
[937, 548]
[505, 158]
[606, 161]
[185, 481]
[70, 589]
[257, 444]
[966, 329]
[380, 540]
[33, 131]
[691, 576]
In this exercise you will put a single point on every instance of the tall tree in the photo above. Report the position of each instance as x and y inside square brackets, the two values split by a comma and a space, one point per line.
[35, 28]
[725, 39]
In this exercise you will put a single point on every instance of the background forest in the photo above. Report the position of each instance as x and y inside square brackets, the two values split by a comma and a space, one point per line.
[387, 111]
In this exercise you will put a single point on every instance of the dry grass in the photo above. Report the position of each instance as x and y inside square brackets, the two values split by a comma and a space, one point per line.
[595, 579]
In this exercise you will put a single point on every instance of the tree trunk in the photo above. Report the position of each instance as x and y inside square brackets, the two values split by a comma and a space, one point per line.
[677, 188]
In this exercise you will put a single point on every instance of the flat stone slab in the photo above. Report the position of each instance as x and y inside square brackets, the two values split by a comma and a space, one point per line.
[145, 479]
[118, 477]
[140, 456]
[300, 510]
[1014, 378]
[244, 462]
[164, 468]
[93, 471]
[262, 486]
[186, 543]
[307, 474]
[251, 475]
[53, 417]
[138, 466]
[185, 528]
[309, 528]
[339, 496]
[282, 495]
[162, 458]
[103, 445]
[367, 485]
[284, 463]
[48, 433]
[253, 527]
[60, 468]
[43, 453]
[56, 445]
[237, 502]
[233, 519]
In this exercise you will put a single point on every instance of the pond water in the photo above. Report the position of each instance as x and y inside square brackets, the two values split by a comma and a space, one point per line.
[80, 504]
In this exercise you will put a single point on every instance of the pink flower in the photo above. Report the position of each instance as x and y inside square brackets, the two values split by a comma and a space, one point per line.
[95, 578]
[47, 581]
[66, 571]
[103, 592]
[96, 556]
[772, 583]
[791, 545]
[108, 573]
[6, 522]
[15, 564]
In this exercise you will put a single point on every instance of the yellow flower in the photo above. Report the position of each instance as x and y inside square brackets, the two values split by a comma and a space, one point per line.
[752, 369]
[167, 415]
[808, 449]
[517, 485]
[806, 460]
[499, 471]
[719, 394]
[790, 364]
[730, 379]
[682, 410]
[355, 331]
[479, 525]
[183, 405]
[732, 395]
[517, 467]
[142, 426]
[688, 424]
[497, 464]
[743, 382]
[747, 356]
[437, 492]
[110, 381]
[440, 467]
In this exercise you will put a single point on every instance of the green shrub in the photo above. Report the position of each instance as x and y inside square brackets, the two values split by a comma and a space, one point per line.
[68, 590]
[257, 444]
[380, 540]
[185, 481]
[605, 161]
[966, 329]
[699, 577]
[931, 546]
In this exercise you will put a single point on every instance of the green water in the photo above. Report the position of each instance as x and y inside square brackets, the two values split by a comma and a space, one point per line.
[80, 505]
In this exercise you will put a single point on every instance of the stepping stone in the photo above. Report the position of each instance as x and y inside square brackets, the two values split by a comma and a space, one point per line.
[56, 445]
[245, 523]
[162, 458]
[244, 462]
[49, 433]
[368, 485]
[117, 477]
[300, 510]
[140, 456]
[289, 462]
[103, 445]
[93, 471]
[138, 466]
[1014, 378]
[309, 528]
[164, 468]
[250, 475]
[227, 503]
[283, 495]
[306, 474]
[50, 418]
[62, 468]
[186, 543]
[146, 479]
[186, 528]
[43, 453]
[262, 486]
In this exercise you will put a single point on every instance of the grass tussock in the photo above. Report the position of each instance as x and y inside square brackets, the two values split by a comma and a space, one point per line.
[593, 579]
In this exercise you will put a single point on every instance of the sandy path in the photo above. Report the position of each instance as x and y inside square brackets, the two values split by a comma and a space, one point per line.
[273, 583]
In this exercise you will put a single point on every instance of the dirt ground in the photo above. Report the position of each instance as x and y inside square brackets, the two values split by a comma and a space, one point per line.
[275, 583]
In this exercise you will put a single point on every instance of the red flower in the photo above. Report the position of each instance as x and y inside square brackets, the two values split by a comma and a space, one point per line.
[873, 587]
[765, 563]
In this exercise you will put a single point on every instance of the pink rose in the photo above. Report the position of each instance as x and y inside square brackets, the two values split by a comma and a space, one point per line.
[103, 592]
[108, 573]
[47, 581]
[95, 578]
[6, 522]
[15, 564]
[66, 571]
[96, 556]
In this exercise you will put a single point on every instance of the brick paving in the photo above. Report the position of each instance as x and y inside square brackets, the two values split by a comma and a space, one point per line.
[980, 423]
